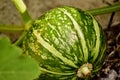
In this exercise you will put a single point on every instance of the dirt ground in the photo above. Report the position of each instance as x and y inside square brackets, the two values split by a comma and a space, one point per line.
[111, 68]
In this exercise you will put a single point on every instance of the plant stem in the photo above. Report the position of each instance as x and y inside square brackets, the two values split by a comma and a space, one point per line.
[11, 28]
[19, 41]
[104, 10]
[26, 18]
[23, 10]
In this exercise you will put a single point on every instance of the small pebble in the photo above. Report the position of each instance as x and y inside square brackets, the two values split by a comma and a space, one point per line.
[111, 76]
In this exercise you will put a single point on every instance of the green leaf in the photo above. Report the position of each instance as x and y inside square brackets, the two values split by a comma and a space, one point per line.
[14, 65]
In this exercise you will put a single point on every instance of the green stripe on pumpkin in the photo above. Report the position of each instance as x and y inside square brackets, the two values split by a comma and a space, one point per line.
[51, 49]
[80, 34]
[96, 49]
[58, 73]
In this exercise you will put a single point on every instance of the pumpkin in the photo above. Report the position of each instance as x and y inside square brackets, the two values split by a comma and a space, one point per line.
[68, 43]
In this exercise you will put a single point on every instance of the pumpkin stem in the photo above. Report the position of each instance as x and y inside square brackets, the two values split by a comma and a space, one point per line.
[85, 70]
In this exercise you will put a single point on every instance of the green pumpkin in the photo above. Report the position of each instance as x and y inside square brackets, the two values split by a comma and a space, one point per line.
[68, 43]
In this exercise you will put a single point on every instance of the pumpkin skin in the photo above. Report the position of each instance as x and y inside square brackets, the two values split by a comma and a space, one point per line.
[64, 39]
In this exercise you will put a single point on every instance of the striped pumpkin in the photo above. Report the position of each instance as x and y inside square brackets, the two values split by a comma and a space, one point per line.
[67, 42]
